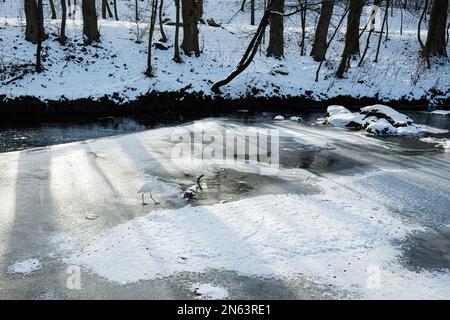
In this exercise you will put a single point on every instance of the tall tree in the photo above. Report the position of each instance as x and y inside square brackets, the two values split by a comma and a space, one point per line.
[90, 28]
[33, 22]
[371, 23]
[52, 8]
[383, 24]
[105, 7]
[62, 34]
[435, 44]
[40, 31]
[154, 9]
[161, 26]
[192, 11]
[176, 46]
[276, 42]
[320, 38]
[351, 46]
[116, 15]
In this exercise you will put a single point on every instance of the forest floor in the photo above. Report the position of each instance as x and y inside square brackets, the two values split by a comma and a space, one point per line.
[113, 69]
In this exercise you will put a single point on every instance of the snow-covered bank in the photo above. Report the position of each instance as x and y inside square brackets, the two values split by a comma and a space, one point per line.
[113, 69]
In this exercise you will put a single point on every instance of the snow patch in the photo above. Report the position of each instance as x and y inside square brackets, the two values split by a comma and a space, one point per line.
[334, 110]
[445, 113]
[381, 127]
[25, 267]
[207, 291]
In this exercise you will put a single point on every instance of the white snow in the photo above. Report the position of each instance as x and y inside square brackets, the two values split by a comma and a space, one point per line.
[344, 120]
[92, 216]
[396, 118]
[334, 109]
[25, 267]
[441, 112]
[381, 127]
[409, 130]
[295, 119]
[278, 118]
[117, 65]
[207, 291]
[316, 236]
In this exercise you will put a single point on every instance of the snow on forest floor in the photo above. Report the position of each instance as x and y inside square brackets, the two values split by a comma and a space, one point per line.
[115, 66]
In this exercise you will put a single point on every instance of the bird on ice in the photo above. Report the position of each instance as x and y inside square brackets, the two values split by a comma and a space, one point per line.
[147, 187]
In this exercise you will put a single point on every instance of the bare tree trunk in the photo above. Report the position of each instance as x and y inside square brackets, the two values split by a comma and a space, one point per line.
[320, 38]
[252, 12]
[90, 28]
[161, 26]
[276, 43]
[351, 46]
[329, 41]
[243, 5]
[192, 10]
[115, 11]
[52, 8]
[62, 35]
[376, 7]
[154, 9]
[249, 53]
[419, 25]
[33, 23]
[105, 7]
[39, 36]
[435, 44]
[382, 30]
[70, 12]
[303, 26]
[176, 55]
[136, 11]
[74, 7]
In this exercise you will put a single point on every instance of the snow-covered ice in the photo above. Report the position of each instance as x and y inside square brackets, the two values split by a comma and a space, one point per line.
[444, 113]
[25, 267]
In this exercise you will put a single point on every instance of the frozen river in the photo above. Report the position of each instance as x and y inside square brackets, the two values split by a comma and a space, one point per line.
[343, 215]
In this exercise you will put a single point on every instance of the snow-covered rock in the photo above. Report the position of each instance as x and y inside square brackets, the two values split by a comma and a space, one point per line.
[279, 118]
[395, 118]
[369, 120]
[296, 119]
[334, 109]
[381, 127]
[346, 120]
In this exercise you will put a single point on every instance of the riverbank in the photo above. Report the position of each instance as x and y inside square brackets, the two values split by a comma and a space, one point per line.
[181, 102]
[108, 77]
